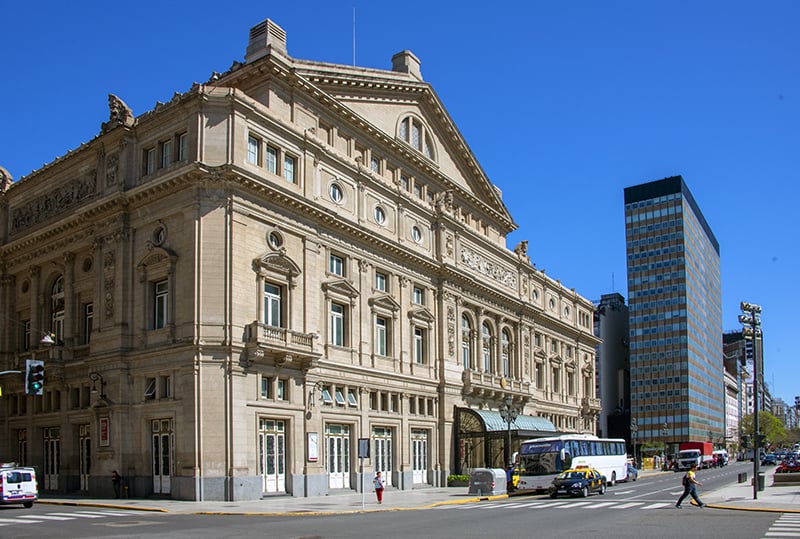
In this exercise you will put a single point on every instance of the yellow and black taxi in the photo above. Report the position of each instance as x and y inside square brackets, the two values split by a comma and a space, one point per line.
[578, 482]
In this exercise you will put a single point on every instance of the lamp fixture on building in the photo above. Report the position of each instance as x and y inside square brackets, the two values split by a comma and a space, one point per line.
[96, 377]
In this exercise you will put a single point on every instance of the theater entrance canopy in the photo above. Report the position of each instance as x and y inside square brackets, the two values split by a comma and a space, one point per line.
[481, 436]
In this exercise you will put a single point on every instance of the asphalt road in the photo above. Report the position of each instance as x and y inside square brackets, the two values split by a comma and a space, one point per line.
[641, 509]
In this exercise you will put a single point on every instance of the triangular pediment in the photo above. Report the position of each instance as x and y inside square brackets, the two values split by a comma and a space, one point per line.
[421, 313]
[342, 287]
[374, 103]
[384, 302]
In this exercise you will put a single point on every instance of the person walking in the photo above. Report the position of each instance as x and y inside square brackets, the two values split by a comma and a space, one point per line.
[116, 481]
[690, 484]
[378, 482]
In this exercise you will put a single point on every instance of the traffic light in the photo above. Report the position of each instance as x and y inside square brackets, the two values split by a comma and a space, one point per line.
[34, 377]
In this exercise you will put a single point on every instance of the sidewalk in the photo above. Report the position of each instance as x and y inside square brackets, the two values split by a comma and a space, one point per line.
[734, 497]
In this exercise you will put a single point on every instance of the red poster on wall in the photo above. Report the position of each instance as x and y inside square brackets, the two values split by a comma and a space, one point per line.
[104, 434]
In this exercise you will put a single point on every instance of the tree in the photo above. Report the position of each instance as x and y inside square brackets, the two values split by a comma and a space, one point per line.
[769, 426]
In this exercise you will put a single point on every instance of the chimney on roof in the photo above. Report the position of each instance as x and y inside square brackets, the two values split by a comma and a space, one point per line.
[265, 37]
[406, 62]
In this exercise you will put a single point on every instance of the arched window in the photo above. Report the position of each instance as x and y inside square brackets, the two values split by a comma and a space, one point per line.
[505, 352]
[414, 133]
[466, 344]
[57, 309]
[486, 338]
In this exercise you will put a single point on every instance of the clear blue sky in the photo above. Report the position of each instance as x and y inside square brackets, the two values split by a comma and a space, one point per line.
[563, 103]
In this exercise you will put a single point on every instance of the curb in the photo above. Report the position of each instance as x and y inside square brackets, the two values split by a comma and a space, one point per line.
[103, 505]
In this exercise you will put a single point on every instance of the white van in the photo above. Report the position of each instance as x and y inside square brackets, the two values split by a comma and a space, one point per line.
[18, 485]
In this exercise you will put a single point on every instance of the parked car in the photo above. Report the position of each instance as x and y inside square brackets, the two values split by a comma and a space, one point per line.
[769, 458]
[18, 485]
[633, 473]
[578, 482]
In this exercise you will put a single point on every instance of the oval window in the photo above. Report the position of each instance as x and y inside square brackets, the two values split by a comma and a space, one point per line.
[336, 192]
[380, 215]
[275, 240]
[416, 234]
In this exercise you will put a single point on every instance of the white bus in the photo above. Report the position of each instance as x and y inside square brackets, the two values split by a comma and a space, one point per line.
[541, 459]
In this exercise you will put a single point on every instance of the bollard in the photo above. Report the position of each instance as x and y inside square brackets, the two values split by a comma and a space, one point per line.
[761, 481]
[742, 477]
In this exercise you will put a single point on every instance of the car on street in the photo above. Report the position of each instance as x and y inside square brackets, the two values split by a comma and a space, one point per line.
[578, 482]
[769, 458]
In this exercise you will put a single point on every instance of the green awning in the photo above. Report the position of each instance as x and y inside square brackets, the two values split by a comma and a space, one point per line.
[524, 425]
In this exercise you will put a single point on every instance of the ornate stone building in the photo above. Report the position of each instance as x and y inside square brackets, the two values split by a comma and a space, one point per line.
[247, 282]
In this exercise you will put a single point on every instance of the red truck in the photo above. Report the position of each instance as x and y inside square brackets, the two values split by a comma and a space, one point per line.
[699, 453]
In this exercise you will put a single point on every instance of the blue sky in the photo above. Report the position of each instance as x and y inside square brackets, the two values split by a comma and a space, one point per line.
[563, 103]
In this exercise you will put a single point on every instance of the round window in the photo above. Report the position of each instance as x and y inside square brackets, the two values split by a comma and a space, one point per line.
[380, 215]
[336, 192]
[26, 284]
[87, 264]
[416, 234]
[566, 311]
[552, 304]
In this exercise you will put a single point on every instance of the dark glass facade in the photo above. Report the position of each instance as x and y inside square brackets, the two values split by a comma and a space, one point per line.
[675, 302]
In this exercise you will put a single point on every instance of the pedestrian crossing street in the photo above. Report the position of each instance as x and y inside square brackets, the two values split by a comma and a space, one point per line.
[565, 504]
[786, 527]
[6, 518]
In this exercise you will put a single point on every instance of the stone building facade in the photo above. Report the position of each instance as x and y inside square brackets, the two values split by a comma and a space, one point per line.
[250, 283]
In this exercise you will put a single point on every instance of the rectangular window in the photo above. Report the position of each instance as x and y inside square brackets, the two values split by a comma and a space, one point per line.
[26, 335]
[326, 396]
[380, 336]
[253, 148]
[183, 141]
[149, 164]
[161, 296]
[88, 321]
[288, 167]
[336, 265]
[337, 324]
[351, 398]
[418, 296]
[272, 159]
[272, 305]
[339, 397]
[150, 389]
[419, 345]
[266, 387]
[280, 390]
[166, 387]
[380, 281]
[166, 153]
[375, 165]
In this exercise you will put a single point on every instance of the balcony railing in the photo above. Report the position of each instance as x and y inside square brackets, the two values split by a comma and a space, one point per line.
[279, 344]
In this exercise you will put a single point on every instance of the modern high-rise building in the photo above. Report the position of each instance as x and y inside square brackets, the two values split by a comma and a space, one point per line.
[674, 298]
[613, 367]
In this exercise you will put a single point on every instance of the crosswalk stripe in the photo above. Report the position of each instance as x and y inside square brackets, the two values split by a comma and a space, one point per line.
[600, 505]
[657, 505]
[20, 520]
[51, 517]
[771, 533]
[627, 505]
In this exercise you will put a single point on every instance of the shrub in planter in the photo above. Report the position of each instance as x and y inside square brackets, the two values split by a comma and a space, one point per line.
[457, 480]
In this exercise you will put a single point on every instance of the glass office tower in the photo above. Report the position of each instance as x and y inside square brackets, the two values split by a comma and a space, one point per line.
[675, 302]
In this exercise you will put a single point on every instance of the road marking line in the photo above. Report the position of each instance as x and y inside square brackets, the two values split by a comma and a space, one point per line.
[19, 520]
[601, 504]
[657, 505]
[627, 505]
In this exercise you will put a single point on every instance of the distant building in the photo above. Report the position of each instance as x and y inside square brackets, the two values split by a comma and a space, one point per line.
[677, 386]
[246, 281]
[613, 367]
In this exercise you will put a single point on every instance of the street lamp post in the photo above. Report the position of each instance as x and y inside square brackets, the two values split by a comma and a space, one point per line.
[509, 415]
[665, 432]
[634, 432]
[751, 329]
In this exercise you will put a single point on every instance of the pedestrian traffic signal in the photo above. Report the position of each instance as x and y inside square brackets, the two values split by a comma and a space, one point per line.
[34, 377]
